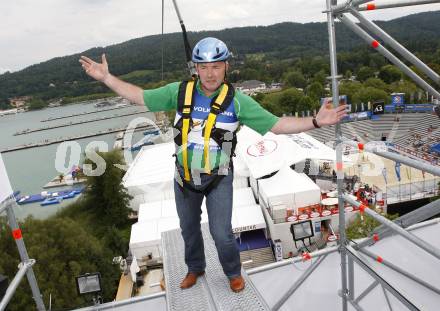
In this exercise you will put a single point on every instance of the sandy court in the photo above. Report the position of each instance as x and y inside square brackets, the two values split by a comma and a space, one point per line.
[370, 167]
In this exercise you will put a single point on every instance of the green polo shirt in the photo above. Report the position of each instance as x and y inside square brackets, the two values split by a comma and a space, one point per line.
[248, 112]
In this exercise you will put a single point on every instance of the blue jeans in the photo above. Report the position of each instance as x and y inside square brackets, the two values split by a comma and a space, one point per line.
[219, 207]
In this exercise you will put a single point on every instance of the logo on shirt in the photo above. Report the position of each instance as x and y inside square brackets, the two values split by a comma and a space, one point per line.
[207, 110]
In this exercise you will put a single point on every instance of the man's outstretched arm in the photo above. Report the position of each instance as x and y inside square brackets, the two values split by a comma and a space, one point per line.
[101, 73]
[325, 116]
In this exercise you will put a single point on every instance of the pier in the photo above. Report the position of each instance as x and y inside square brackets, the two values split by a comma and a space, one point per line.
[70, 138]
[24, 132]
[83, 114]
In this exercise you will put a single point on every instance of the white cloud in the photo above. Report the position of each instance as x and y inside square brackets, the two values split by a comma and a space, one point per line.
[35, 31]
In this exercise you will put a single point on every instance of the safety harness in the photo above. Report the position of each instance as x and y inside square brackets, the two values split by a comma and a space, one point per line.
[185, 105]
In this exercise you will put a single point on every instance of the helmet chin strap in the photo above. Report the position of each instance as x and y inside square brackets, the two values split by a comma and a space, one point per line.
[225, 78]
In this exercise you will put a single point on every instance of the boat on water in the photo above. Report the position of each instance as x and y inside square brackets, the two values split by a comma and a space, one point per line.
[51, 201]
[104, 104]
[44, 195]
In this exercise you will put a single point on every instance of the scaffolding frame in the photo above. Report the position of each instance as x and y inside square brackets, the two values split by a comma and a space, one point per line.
[25, 266]
[351, 253]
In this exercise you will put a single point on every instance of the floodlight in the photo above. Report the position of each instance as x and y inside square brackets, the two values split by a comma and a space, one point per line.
[302, 230]
[89, 283]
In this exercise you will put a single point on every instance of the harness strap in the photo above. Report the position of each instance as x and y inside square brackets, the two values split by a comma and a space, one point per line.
[215, 110]
[186, 114]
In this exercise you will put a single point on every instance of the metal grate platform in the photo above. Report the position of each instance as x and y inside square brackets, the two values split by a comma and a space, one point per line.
[212, 290]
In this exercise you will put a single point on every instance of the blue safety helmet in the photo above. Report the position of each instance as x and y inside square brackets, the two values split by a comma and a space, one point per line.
[210, 50]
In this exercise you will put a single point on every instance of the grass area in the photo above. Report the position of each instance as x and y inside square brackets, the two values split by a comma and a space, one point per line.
[137, 74]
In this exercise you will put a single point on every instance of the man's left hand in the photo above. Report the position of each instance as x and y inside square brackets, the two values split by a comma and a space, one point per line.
[330, 115]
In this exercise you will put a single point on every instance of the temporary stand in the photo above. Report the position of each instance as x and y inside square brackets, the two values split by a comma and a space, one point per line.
[25, 267]
[346, 251]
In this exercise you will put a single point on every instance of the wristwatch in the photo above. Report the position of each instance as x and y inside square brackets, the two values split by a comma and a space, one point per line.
[315, 124]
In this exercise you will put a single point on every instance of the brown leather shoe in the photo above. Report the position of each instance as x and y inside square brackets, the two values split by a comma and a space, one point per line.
[190, 279]
[237, 284]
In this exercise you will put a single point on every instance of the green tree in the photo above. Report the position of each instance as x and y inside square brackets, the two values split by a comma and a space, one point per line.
[390, 74]
[364, 226]
[306, 103]
[349, 88]
[315, 90]
[369, 94]
[106, 198]
[365, 73]
[348, 74]
[36, 104]
[295, 79]
[63, 249]
[259, 97]
[376, 83]
[320, 77]
[289, 100]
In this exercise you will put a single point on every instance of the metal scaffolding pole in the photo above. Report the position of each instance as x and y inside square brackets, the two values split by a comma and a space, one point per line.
[396, 45]
[350, 279]
[15, 282]
[372, 6]
[16, 231]
[430, 249]
[356, 306]
[298, 283]
[339, 166]
[421, 214]
[286, 262]
[336, 11]
[123, 303]
[367, 290]
[342, 7]
[391, 57]
[370, 270]
[399, 270]
[387, 298]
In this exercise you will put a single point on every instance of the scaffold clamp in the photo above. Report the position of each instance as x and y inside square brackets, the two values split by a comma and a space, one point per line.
[375, 237]
[306, 256]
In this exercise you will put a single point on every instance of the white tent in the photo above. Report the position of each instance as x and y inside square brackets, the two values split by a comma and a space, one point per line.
[289, 188]
[269, 153]
[160, 216]
[247, 218]
[152, 171]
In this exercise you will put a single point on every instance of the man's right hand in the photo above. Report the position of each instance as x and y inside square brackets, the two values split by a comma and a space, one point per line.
[100, 72]
[95, 70]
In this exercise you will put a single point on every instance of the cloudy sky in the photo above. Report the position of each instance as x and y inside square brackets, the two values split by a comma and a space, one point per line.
[35, 31]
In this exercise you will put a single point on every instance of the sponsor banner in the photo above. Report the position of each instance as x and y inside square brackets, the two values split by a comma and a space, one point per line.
[378, 108]
[398, 99]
